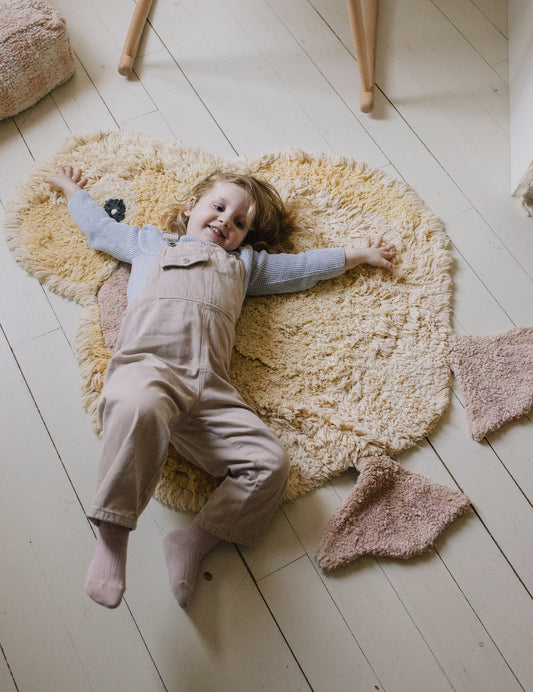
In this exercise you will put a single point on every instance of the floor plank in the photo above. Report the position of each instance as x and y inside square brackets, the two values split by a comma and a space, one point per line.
[474, 562]
[6, 678]
[24, 311]
[370, 606]
[298, 599]
[477, 28]
[227, 640]
[46, 617]
[497, 499]
[388, 129]
[125, 98]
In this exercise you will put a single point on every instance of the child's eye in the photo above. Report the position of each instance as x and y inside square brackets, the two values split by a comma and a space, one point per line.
[218, 207]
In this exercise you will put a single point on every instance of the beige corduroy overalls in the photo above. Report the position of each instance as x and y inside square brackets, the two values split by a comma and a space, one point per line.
[168, 382]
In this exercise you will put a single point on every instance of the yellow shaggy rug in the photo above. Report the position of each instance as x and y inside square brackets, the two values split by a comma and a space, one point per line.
[355, 367]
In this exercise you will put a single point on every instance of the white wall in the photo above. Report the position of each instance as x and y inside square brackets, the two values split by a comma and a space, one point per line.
[521, 86]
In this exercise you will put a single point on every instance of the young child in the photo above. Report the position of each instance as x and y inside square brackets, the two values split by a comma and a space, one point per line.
[168, 380]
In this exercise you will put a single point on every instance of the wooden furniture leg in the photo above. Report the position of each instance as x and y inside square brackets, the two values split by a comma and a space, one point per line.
[364, 32]
[142, 8]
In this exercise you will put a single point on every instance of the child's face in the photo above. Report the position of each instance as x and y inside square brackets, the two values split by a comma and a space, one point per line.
[220, 215]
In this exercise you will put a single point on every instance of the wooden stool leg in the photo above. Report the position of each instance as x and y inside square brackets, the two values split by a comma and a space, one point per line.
[371, 27]
[140, 14]
[365, 35]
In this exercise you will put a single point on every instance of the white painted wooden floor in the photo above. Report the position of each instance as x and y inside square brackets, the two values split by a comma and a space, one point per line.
[245, 77]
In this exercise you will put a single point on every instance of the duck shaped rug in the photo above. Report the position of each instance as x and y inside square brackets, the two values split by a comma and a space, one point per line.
[347, 374]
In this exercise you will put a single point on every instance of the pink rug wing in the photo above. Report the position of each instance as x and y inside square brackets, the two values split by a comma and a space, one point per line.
[113, 301]
[495, 374]
[391, 512]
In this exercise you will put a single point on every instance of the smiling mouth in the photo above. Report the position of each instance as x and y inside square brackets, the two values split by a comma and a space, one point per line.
[218, 233]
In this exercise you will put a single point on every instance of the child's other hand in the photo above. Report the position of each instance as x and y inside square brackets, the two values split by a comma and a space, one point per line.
[374, 252]
[379, 253]
[67, 179]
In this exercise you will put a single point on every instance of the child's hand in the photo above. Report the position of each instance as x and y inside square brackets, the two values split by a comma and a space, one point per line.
[375, 252]
[67, 179]
[380, 254]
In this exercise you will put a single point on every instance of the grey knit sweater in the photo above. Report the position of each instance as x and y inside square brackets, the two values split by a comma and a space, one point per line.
[264, 273]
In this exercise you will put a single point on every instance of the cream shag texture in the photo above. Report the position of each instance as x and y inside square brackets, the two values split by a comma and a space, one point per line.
[495, 374]
[356, 366]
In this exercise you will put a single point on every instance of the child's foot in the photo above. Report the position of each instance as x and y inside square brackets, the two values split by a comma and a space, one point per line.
[106, 577]
[184, 551]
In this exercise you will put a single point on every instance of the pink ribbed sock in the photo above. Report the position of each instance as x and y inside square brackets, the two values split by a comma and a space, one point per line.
[184, 550]
[106, 577]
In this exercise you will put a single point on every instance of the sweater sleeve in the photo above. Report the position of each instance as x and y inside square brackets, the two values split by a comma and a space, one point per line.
[104, 233]
[288, 273]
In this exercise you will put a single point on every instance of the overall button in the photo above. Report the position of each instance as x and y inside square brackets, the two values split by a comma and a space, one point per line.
[186, 260]
[172, 243]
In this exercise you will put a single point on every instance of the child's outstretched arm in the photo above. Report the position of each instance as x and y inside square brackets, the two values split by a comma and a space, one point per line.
[287, 273]
[103, 233]
[375, 252]
[67, 179]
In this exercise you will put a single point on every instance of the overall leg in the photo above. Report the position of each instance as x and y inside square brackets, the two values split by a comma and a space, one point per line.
[136, 411]
[234, 444]
[230, 442]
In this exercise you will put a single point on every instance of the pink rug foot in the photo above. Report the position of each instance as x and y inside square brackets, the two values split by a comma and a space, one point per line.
[495, 374]
[391, 512]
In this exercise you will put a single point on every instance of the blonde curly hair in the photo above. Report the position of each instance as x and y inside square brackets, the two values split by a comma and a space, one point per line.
[271, 222]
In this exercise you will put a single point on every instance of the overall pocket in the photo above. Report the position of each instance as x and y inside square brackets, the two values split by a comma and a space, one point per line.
[182, 273]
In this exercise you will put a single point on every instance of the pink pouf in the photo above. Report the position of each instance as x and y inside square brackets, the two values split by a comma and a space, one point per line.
[35, 54]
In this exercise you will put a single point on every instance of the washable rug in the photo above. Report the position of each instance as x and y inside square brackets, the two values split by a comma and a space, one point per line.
[355, 367]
